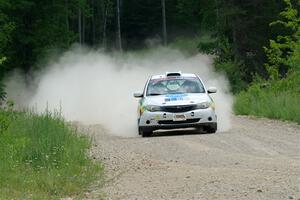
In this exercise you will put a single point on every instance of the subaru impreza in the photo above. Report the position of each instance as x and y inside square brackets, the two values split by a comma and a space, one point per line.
[173, 101]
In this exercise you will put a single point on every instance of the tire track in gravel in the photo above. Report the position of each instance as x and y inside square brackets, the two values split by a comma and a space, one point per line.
[256, 159]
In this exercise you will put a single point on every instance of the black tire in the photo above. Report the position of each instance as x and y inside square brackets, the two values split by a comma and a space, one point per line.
[146, 133]
[211, 130]
[139, 129]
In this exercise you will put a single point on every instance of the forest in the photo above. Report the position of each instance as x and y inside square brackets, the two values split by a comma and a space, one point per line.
[252, 41]
[256, 43]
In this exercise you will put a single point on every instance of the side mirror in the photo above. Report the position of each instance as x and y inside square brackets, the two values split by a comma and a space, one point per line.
[212, 90]
[138, 95]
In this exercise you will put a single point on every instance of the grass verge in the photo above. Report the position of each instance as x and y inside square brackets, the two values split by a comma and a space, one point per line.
[276, 100]
[42, 157]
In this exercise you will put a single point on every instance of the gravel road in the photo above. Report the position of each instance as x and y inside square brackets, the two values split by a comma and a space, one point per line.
[256, 159]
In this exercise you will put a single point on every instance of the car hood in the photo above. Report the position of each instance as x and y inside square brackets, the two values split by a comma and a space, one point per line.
[176, 99]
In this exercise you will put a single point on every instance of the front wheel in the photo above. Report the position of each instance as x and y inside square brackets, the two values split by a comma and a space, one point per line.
[145, 133]
[211, 129]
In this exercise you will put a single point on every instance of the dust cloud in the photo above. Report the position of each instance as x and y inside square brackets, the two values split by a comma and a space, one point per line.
[97, 88]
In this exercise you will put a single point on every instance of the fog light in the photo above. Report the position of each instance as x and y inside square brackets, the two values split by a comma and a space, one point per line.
[147, 122]
[209, 119]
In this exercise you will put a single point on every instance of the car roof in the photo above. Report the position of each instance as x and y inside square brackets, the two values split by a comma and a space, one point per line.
[182, 75]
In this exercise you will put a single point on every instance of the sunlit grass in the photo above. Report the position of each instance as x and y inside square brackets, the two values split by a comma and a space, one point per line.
[42, 157]
[279, 100]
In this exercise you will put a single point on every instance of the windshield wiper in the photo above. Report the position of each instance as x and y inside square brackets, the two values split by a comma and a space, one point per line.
[155, 94]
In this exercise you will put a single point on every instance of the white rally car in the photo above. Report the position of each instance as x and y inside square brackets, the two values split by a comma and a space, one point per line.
[176, 100]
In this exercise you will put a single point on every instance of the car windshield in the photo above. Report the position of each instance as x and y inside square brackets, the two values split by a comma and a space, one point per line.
[174, 86]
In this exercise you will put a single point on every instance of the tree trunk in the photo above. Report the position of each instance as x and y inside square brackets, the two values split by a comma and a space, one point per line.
[67, 15]
[164, 23]
[217, 19]
[79, 26]
[104, 13]
[234, 41]
[83, 29]
[93, 23]
[119, 37]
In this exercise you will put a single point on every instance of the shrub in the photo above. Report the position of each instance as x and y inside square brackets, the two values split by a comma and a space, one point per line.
[277, 99]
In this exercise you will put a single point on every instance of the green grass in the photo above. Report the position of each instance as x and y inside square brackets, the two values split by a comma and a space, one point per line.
[42, 157]
[277, 100]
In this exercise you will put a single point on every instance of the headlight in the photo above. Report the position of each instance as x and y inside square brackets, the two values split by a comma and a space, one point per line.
[152, 108]
[203, 105]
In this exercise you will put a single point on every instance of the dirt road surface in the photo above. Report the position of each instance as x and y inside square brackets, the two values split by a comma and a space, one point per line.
[256, 159]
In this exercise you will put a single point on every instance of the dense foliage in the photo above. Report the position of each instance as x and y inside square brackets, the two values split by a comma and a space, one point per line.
[249, 38]
[256, 42]
[234, 30]
[278, 96]
[42, 157]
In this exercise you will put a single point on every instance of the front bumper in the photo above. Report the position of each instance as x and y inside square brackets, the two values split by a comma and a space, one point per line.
[165, 120]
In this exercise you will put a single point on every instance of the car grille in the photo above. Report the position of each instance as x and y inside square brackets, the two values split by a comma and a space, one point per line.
[178, 109]
[167, 122]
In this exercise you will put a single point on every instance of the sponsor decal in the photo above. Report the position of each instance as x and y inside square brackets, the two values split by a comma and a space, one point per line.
[213, 105]
[176, 97]
[141, 107]
[157, 117]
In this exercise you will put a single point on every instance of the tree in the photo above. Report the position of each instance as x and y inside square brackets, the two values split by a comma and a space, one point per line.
[164, 22]
[6, 27]
[107, 15]
[283, 46]
[234, 30]
[80, 26]
[2, 92]
[93, 22]
[119, 36]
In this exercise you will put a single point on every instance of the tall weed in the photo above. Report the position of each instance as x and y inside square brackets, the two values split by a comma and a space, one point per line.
[42, 157]
[277, 100]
